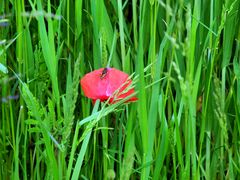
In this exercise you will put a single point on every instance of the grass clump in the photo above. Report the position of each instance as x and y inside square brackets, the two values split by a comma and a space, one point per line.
[184, 60]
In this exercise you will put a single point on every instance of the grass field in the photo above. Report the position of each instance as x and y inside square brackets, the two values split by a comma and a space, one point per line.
[184, 58]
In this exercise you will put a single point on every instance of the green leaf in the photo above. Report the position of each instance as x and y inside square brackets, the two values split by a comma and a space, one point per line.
[3, 68]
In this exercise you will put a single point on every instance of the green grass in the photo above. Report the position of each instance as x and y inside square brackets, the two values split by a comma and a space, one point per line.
[184, 58]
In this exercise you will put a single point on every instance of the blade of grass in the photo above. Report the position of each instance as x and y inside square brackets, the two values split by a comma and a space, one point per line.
[77, 168]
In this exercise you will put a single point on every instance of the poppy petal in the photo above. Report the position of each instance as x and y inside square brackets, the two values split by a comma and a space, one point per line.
[92, 86]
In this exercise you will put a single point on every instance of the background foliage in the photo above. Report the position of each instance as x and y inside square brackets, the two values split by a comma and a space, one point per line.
[185, 56]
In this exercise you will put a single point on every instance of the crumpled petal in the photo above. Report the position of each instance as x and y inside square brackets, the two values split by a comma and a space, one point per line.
[95, 86]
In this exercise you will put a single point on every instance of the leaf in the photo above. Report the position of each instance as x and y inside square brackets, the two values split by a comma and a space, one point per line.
[3, 68]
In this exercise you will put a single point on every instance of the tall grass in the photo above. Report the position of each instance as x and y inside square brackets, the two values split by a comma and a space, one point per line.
[185, 61]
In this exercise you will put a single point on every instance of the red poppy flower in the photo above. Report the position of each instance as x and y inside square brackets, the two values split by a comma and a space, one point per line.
[107, 83]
